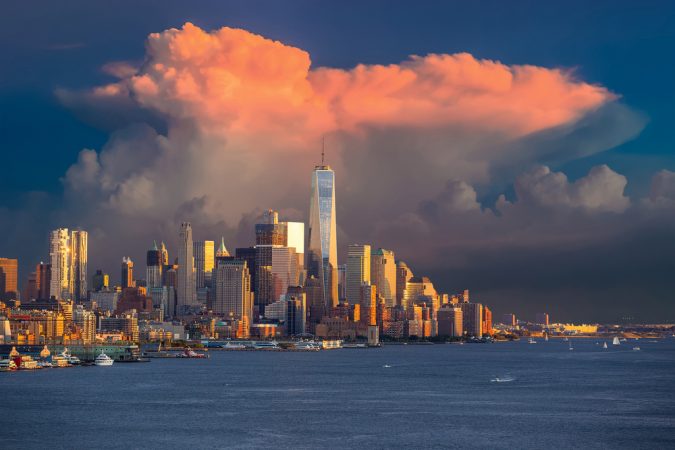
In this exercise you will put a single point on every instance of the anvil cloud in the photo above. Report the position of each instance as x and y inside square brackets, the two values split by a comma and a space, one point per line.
[214, 126]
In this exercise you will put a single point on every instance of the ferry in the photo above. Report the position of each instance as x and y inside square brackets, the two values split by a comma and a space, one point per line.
[308, 346]
[103, 360]
[189, 353]
[273, 345]
[233, 346]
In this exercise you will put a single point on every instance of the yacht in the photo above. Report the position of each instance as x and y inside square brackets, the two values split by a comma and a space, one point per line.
[73, 360]
[103, 360]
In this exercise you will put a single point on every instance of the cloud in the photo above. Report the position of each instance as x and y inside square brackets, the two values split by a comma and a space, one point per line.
[215, 126]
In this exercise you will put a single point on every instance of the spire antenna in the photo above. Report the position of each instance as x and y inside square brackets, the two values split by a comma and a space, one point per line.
[323, 149]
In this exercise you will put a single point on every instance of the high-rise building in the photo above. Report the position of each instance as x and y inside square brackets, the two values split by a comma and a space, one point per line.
[186, 296]
[368, 303]
[472, 318]
[321, 249]
[420, 289]
[358, 271]
[127, 273]
[487, 321]
[43, 276]
[30, 290]
[383, 275]
[232, 289]
[270, 231]
[222, 250]
[403, 275]
[450, 321]
[78, 263]
[296, 314]
[295, 239]
[542, 319]
[154, 267]
[509, 319]
[100, 281]
[59, 254]
[342, 282]
[315, 301]
[204, 262]
[164, 254]
[8, 278]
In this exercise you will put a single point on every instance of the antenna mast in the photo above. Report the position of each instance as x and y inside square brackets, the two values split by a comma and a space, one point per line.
[323, 149]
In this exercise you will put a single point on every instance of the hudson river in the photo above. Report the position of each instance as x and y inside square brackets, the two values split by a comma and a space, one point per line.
[414, 396]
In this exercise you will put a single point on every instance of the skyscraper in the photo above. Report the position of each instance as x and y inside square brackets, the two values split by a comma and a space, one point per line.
[186, 296]
[154, 266]
[100, 281]
[43, 276]
[321, 256]
[232, 289]
[295, 238]
[164, 254]
[8, 279]
[78, 264]
[358, 271]
[403, 275]
[59, 254]
[204, 261]
[127, 273]
[383, 274]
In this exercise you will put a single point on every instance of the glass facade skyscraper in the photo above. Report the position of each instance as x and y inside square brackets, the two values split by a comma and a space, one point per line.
[321, 250]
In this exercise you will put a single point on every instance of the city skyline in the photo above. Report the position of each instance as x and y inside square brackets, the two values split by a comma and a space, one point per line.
[524, 174]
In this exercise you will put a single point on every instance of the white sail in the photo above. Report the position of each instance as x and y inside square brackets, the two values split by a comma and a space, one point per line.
[616, 341]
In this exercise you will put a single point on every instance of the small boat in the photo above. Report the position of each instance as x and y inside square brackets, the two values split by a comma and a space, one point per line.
[308, 346]
[546, 338]
[566, 339]
[622, 340]
[504, 379]
[571, 348]
[233, 346]
[531, 341]
[189, 353]
[103, 360]
[604, 345]
[7, 365]
[615, 341]
[386, 366]
[637, 349]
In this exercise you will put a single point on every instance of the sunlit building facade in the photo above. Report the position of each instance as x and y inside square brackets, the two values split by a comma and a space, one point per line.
[186, 295]
[59, 255]
[358, 271]
[321, 259]
[78, 264]
[383, 274]
[8, 278]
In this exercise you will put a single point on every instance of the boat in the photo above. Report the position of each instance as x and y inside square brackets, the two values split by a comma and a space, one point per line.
[103, 360]
[233, 346]
[73, 360]
[308, 346]
[615, 341]
[386, 366]
[504, 379]
[189, 353]
[566, 339]
[604, 345]
[622, 340]
[531, 341]
[272, 345]
[637, 349]
[7, 365]
[546, 338]
[571, 348]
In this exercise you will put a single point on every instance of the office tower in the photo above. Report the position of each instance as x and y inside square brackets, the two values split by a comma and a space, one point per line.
[342, 282]
[316, 305]
[127, 273]
[542, 319]
[30, 290]
[450, 321]
[472, 318]
[204, 261]
[465, 296]
[86, 323]
[100, 281]
[358, 271]
[43, 278]
[186, 295]
[154, 267]
[78, 265]
[276, 270]
[232, 289]
[296, 314]
[164, 254]
[403, 274]
[222, 250]
[321, 249]
[59, 254]
[8, 279]
[295, 238]
[487, 321]
[420, 289]
[509, 319]
[368, 302]
[383, 275]
[270, 231]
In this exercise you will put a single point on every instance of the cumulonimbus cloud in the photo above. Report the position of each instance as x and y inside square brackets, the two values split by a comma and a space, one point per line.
[213, 126]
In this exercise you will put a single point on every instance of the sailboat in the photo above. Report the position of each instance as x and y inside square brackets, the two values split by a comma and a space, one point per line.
[604, 345]
[615, 341]
[571, 348]
[546, 337]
